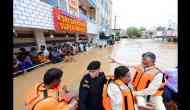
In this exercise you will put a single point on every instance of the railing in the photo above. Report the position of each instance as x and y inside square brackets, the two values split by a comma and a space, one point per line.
[25, 70]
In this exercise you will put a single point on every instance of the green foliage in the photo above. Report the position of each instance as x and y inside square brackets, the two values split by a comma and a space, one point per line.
[117, 33]
[160, 28]
[142, 29]
[134, 32]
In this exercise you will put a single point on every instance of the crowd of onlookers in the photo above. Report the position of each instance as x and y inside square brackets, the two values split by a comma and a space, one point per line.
[25, 59]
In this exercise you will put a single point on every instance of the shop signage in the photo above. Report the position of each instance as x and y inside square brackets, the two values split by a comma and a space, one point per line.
[64, 22]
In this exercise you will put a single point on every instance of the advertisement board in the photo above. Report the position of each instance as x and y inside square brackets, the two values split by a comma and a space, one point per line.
[63, 22]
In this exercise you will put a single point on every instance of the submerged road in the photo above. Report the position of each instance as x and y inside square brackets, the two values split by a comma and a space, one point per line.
[127, 50]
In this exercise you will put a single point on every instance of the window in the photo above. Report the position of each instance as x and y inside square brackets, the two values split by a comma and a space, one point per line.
[63, 4]
[51, 2]
[102, 2]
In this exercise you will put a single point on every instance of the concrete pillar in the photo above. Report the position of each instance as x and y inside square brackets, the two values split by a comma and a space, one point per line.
[40, 39]
[77, 37]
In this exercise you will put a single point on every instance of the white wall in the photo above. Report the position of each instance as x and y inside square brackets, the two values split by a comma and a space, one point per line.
[40, 39]
[32, 14]
[91, 28]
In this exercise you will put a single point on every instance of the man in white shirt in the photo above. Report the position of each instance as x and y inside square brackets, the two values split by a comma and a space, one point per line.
[148, 63]
[118, 87]
[44, 50]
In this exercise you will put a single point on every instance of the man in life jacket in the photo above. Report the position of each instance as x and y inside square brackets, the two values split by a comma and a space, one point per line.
[117, 95]
[48, 96]
[149, 81]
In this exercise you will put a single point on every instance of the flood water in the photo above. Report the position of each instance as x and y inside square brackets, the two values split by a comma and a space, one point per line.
[127, 50]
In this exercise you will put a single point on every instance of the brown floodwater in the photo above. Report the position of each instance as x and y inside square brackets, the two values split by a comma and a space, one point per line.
[127, 49]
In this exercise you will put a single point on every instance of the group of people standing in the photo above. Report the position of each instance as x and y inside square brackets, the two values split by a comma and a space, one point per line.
[138, 87]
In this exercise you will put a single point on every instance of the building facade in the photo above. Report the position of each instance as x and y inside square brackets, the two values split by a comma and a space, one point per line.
[43, 22]
[104, 16]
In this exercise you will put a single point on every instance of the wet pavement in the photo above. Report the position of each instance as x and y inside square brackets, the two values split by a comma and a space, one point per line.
[126, 50]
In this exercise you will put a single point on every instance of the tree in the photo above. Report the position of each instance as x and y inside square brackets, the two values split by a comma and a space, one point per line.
[134, 32]
[160, 28]
[117, 33]
[142, 29]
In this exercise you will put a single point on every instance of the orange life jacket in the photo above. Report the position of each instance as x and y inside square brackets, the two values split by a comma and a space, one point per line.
[51, 104]
[35, 58]
[42, 58]
[41, 99]
[128, 98]
[142, 79]
[106, 99]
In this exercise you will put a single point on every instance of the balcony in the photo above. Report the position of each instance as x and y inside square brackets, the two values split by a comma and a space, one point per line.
[88, 3]
[92, 2]
[51, 2]
[86, 17]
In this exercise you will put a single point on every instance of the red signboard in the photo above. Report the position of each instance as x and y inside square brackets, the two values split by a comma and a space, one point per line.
[63, 22]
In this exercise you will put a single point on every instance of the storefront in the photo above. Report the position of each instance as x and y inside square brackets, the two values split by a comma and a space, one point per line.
[42, 22]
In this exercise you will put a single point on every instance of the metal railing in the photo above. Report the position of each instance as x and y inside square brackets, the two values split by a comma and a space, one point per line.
[25, 70]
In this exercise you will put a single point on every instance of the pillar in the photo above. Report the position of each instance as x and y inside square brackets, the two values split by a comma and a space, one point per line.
[77, 37]
[39, 37]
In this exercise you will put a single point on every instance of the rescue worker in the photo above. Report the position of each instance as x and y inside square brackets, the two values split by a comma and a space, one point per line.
[119, 92]
[149, 81]
[91, 88]
[48, 96]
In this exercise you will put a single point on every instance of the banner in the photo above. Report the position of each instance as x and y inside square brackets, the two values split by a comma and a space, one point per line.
[64, 22]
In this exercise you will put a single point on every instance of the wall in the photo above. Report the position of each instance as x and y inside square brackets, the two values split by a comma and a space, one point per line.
[91, 28]
[103, 15]
[32, 14]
